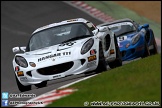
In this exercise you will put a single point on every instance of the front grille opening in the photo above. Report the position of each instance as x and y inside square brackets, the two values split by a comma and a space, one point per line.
[108, 41]
[82, 61]
[55, 69]
[29, 73]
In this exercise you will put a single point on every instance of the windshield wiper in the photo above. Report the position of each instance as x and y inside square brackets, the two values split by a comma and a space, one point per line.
[75, 38]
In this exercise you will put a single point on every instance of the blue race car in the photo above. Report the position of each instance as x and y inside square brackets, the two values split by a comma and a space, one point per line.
[134, 40]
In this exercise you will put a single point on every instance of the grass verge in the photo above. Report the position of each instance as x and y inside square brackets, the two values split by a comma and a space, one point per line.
[136, 81]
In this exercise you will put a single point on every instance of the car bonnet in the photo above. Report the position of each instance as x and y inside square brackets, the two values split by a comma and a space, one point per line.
[125, 39]
[68, 49]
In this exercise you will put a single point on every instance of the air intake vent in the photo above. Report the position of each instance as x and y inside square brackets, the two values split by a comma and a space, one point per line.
[55, 69]
[108, 41]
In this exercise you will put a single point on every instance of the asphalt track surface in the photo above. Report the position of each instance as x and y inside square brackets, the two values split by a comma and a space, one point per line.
[18, 20]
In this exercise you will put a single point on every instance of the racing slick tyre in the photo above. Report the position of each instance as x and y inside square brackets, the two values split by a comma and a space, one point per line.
[155, 49]
[102, 66]
[118, 61]
[21, 87]
[42, 84]
[146, 52]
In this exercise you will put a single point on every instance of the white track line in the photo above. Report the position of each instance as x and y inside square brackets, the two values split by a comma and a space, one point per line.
[51, 96]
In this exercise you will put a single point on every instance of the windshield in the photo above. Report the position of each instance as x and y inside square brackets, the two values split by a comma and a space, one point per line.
[122, 28]
[58, 35]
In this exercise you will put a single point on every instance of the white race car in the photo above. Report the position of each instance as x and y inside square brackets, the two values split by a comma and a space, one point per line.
[66, 48]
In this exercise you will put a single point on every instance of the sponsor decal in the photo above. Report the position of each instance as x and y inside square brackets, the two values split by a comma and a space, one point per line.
[17, 68]
[112, 51]
[54, 55]
[32, 64]
[121, 38]
[67, 43]
[48, 56]
[66, 53]
[20, 73]
[91, 58]
[93, 51]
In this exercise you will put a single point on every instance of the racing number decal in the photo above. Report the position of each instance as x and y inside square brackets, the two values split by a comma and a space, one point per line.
[68, 44]
[121, 38]
[65, 45]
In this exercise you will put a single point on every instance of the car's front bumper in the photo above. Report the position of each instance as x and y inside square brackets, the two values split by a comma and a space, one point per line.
[63, 69]
[133, 51]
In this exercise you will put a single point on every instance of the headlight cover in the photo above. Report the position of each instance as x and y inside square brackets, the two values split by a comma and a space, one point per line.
[135, 39]
[21, 61]
[87, 46]
[127, 45]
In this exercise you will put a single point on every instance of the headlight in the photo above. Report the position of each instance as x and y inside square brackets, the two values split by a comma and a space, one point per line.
[135, 39]
[87, 46]
[21, 61]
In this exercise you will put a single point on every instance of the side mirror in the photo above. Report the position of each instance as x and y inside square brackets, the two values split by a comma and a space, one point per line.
[15, 49]
[146, 25]
[23, 49]
[18, 49]
[102, 29]
[143, 26]
[95, 31]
